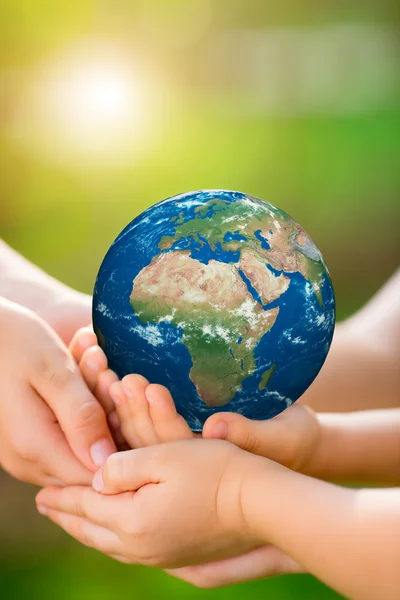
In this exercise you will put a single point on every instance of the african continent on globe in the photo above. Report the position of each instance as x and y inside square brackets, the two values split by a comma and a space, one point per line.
[221, 297]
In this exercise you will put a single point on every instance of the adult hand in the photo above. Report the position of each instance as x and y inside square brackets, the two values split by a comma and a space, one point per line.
[260, 563]
[69, 311]
[51, 426]
[62, 307]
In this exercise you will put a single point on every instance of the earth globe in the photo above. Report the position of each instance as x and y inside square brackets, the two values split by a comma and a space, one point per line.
[219, 296]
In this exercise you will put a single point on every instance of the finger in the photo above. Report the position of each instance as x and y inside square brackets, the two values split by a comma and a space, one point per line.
[114, 421]
[168, 424]
[276, 438]
[131, 470]
[83, 502]
[253, 436]
[61, 461]
[126, 424]
[133, 411]
[122, 559]
[50, 481]
[30, 472]
[92, 363]
[102, 391]
[44, 445]
[84, 531]
[83, 339]
[57, 379]
[266, 561]
[134, 388]
[115, 428]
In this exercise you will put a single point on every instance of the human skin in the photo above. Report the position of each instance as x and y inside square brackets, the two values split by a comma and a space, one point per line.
[361, 371]
[193, 501]
[51, 425]
[63, 308]
[260, 563]
[362, 446]
[357, 447]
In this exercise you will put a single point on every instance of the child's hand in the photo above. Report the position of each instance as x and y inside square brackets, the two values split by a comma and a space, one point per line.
[139, 413]
[146, 414]
[177, 504]
[291, 438]
[98, 377]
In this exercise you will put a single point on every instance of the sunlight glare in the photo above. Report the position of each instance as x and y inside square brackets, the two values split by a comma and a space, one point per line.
[96, 98]
[93, 101]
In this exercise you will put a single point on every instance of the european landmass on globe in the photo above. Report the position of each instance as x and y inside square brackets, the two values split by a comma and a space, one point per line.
[220, 296]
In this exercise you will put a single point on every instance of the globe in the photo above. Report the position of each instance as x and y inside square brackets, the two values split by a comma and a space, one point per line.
[221, 297]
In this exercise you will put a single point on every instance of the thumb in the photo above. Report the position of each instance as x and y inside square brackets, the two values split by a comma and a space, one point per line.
[257, 437]
[288, 438]
[129, 470]
[58, 381]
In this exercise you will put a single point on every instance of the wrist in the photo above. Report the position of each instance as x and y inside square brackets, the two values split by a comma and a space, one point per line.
[60, 306]
[68, 311]
[269, 497]
[326, 448]
[229, 499]
[302, 437]
[254, 517]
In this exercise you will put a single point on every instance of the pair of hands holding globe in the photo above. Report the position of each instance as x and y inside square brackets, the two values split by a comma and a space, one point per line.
[193, 501]
[76, 424]
[53, 431]
[43, 441]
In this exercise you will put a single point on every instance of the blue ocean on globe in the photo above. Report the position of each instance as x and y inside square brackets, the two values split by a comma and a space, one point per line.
[219, 296]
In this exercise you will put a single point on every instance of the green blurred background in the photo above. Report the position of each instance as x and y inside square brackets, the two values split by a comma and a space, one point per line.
[108, 107]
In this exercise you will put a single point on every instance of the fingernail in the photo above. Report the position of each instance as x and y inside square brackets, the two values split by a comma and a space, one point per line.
[92, 364]
[220, 430]
[103, 387]
[42, 509]
[150, 398]
[127, 391]
[114, 421]
[58, 482]
[100, 451]
[115, 398]
[86, 340]
[98, 482]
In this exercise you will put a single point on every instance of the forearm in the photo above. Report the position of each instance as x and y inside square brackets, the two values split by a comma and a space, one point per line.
[362, 368]
[358, 447]
[27, 285]
[24, 283]
[350, 539]
[359, 374]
